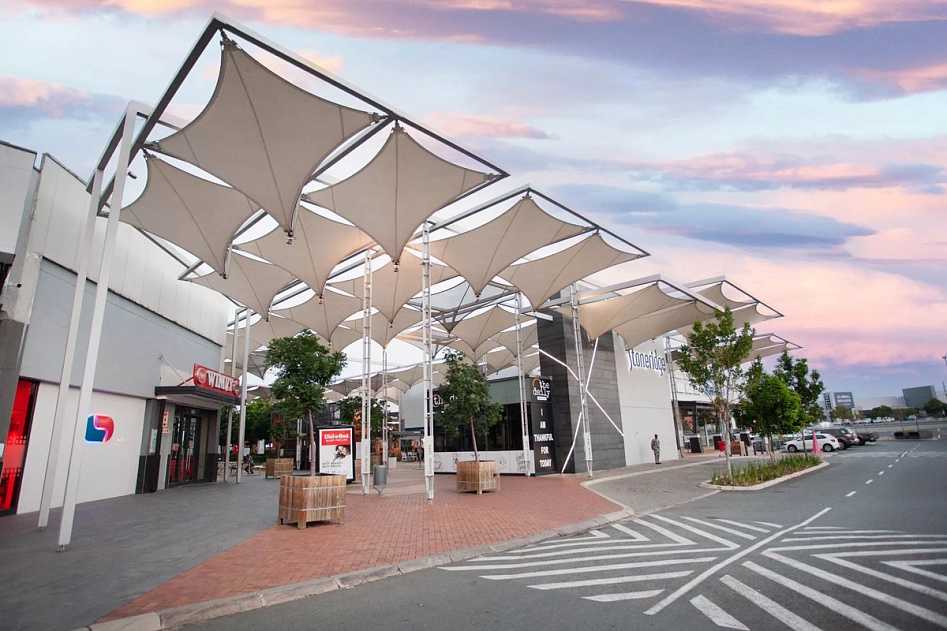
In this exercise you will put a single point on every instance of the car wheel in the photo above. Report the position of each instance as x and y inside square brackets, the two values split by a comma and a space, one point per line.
[828, 448]
[792, 449]
[842, 446]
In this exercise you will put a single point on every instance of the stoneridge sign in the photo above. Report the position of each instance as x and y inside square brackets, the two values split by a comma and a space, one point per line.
[651, 361]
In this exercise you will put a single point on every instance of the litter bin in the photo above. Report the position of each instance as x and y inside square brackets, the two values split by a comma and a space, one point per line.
[718, 439]
[695, 444]
[379, 477]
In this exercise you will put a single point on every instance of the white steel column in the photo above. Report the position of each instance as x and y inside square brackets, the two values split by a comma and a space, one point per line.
[524, 423]
[580, 369]
[65, 376]
[384, 392]
[242, 430]
[678, 426]
[95, 332]
[428, 441]
[366, 371]
[233, 373]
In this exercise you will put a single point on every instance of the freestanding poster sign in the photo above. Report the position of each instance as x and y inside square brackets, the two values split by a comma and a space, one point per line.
[335, 451]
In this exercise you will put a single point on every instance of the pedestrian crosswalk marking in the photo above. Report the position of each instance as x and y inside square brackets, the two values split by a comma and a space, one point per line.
[595, 568]
[717, 615]
[698, 531]
[884, 537]
[673, 536]
[768, 523]
[617, 580]
[634, 534]
[731, 531]
[607, 598]
[768, 605]
[912, 566]
[741, 525]
[917, 587]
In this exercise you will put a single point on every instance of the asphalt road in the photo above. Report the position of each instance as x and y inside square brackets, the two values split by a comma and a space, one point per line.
[861, 543]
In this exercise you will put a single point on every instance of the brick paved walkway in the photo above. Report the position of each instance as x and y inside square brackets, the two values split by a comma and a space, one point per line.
[379, 531]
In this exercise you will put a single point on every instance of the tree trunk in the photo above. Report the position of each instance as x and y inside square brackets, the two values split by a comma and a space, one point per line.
[728, 438]
[772, 453]
[473, 436]
[312, 447]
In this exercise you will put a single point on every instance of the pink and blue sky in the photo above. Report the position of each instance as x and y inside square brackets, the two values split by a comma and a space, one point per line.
[798, 147]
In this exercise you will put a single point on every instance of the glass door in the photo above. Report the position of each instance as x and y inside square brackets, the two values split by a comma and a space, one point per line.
[185, 438]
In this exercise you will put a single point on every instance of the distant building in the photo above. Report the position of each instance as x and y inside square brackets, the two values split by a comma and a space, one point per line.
[844, 399]
[917, 397]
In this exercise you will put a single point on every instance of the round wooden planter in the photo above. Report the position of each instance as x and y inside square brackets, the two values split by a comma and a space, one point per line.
[311, 498]
[276, 467]
[478, 476]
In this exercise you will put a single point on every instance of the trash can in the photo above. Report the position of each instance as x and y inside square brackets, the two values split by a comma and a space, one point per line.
[379, 477]
[718, 439]
[695, 444]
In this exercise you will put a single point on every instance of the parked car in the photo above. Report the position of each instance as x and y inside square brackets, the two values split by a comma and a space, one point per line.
[827, 443]
[846, 436]
[867, 436]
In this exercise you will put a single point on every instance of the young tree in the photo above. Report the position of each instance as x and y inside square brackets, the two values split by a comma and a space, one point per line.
[769, 406]
[882, 411]
[466, 395]
[259, 420]
[712, 359]
[935, 407]
[841, 413]
[350, 411]
[304, 368]
[808, 385]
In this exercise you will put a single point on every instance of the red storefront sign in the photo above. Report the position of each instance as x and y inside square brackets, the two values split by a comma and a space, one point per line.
[217, 381]
[331, 438]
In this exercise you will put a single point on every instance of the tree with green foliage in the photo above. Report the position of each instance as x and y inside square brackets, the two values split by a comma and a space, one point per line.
[712, 359]
[350, 411]
[882, 411]
[935, 407]
[467, 403]
[259, 420]
[841, 413]
[304, 368]
[769, 406]
[808, 385]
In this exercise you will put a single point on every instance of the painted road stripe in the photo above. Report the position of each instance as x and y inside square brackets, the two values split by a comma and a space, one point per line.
[830, 603]
[869, 481]
[741, 525]
[768, 523]
[891, 601]
[842, 531]
[851, 493]
[609, 598]
[673, 536]
[716, 568]
[583, 551]
[594, 568]
[698, 531]
[634, 534]
[717, 615]
[865, 544]
[917, 587]
[618, 580]
[737, 533]
[911, 566]
[836, 537]
[881, 473]
[890, 465]
[769, 606]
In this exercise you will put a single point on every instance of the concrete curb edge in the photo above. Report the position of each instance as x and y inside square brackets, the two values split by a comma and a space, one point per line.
[763, 485]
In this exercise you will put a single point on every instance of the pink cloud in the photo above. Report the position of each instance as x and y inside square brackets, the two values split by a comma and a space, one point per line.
[908, 80]
[49, 98]
[484, 126]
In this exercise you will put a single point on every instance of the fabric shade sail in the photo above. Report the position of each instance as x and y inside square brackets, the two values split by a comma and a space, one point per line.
[323, 315]
[745, 311]
[256, 364]
[263, 331]
[385, 330]
[476, 330]
[769, 344]
[250, 282]
[189, 211]
[473, 354]
[343, 336]
[391, 289]
[529, 336]
[541, 278]
[262, 134]
[318, 245]
[400, 188]
[660, 323]
[483, 252]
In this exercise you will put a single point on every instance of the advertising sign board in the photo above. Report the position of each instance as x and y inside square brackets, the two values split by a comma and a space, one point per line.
[335, 451]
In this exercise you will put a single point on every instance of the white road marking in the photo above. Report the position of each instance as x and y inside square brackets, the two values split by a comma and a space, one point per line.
[869, 481]
[583, 551]
[742, 525]
[826, 601]
[881, 473]
[698, 531]
[713, 570]
[768, 523]
[911, 566]
[863, 544]
[634, 534]
[769, 606]
[602, 557]
[737, 533]
[613, 581]
[891, 601]
[594, 568]
[886, 537]
[608, 598]
[890, 465]
[851, 494]
[673, 536]
[917, 587]
[717, 615]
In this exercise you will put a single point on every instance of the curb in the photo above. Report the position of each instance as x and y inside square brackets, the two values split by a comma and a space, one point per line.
[763, 485]
[199, 612]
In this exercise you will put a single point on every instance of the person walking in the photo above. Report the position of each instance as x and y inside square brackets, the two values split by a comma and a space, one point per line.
[656, 448]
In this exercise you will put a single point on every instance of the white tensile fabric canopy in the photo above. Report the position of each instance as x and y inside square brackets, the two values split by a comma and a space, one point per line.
[318, 245]
[256, 363]
[769, 344]
[250, 282]
[483, 252]
[191, 212]
[397, 191]
[323, 315]
[476, 330]
[540, 278]
[385, 330]
[343, 336]
[653, 325]
[745, 311]
[529, 336]
[263, 135]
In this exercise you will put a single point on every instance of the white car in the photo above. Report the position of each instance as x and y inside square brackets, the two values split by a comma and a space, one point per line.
[826, 443]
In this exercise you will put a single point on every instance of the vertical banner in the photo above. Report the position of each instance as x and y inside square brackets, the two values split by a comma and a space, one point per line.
[335, 451]
[544, 443]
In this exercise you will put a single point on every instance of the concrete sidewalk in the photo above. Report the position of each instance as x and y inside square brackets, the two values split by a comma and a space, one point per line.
[182, 555]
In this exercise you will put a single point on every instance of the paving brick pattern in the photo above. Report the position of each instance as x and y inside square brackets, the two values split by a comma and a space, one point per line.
[378, 531]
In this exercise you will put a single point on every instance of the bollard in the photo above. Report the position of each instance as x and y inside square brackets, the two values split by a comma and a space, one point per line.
[379, 477]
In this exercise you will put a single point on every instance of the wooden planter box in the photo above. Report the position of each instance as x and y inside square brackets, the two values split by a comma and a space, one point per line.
[478, 476]
[311, 498]
[276, 467]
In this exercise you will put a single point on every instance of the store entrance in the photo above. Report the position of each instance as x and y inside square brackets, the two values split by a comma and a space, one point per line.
[185, 439]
